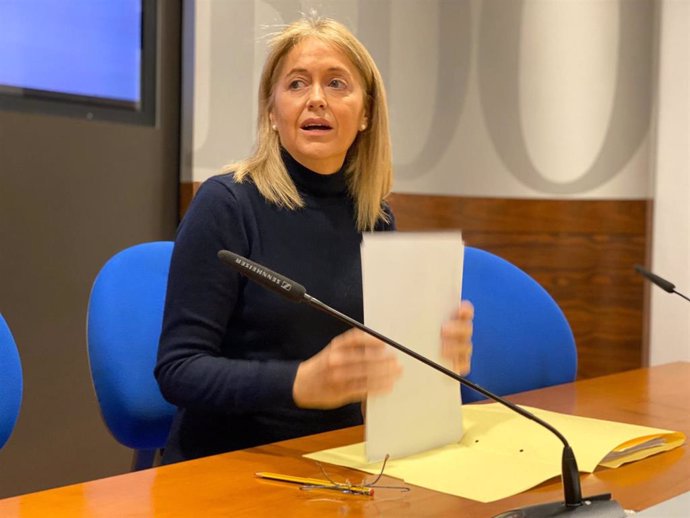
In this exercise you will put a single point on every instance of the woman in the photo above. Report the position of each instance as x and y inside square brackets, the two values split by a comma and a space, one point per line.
[244, 366]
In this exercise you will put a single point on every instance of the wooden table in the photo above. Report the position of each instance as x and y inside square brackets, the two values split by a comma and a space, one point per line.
[224, 485]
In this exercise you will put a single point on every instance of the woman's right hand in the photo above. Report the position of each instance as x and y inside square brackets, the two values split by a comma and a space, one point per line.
[351, 366]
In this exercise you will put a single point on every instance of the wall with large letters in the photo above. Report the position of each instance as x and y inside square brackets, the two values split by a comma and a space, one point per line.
[488, 98]
[530, 125]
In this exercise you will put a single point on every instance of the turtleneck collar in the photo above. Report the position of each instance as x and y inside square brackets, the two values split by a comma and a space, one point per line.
[315, 184]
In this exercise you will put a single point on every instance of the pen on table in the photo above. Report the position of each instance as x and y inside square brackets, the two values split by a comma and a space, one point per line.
[316, 483]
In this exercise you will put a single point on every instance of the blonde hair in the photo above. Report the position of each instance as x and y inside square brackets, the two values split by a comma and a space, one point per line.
[369, 170]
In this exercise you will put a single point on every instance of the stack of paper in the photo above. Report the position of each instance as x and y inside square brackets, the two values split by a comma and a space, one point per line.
[411, 286]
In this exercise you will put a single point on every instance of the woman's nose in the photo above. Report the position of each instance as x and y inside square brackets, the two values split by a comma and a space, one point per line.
[317, 97]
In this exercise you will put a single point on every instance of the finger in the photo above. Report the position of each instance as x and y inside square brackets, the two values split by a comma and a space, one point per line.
[460, 352]
[344, 364]
[457, 330]
[358, 348]
[378, 378]
[369, 343]
[451, 351]
[384, 368]
[380, 389]
[463, 313]
[375, 374]
[383, 382]
[456, 346]
[348, 339]
[460, 358]
[356, 340]
[373, 363]
[356, 387]
[465, 310]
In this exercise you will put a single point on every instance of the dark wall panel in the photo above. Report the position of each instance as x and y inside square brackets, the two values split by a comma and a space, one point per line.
[72, 193]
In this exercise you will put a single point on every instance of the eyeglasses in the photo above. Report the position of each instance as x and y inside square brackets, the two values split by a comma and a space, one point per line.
[363, 488]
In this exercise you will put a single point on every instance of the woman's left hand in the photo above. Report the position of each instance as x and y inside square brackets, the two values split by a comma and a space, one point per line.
[456, 338]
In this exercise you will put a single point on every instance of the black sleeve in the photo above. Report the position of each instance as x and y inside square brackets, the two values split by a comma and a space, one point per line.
[202, 292]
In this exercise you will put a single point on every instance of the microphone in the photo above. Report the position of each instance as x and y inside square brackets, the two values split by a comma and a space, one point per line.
[659, 281]
[599, 506]
[263, 276]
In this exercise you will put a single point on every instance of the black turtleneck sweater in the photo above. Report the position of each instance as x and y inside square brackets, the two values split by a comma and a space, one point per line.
[229, 349]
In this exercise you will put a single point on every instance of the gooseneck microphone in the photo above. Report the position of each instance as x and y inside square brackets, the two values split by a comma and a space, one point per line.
[659, 281]
[596, 506]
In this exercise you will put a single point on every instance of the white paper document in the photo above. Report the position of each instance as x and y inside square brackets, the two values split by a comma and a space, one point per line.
[411, 286]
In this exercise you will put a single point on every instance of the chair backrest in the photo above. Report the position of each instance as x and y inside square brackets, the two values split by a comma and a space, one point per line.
[11, 382]
[124, 321]
[522, 340]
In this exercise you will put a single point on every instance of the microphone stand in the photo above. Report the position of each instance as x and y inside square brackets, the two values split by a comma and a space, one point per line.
[599, 506]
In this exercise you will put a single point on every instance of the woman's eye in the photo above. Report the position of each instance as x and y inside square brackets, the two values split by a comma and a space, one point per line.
[295, 84]
[337, 83]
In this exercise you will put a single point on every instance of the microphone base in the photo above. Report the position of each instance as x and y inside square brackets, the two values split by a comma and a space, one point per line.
[599, 506]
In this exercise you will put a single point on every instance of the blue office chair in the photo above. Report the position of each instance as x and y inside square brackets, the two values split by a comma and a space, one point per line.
[11, 382]
[124, 321]
[522, 340]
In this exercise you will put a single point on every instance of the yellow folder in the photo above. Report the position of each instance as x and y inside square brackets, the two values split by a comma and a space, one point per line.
[502, 453]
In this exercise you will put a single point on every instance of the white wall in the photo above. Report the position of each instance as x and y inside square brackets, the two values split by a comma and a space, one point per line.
[495, 98]
[492, 98]
[670, 314]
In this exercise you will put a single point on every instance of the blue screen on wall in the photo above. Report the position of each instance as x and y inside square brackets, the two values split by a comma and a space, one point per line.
[78, 51]
[81, 47]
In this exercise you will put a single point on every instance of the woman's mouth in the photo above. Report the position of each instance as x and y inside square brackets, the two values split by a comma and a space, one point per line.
[316, 126]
